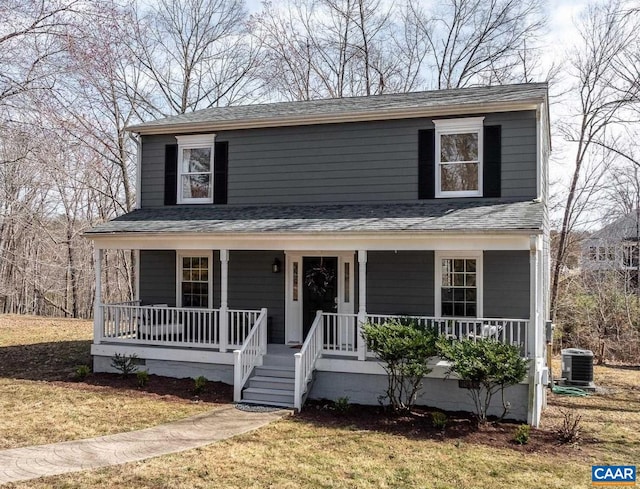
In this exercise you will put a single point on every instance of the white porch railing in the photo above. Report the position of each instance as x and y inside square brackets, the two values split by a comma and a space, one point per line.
[160, 325]
[242, 322]
[250, 354]
[305, 360]
[342, 332]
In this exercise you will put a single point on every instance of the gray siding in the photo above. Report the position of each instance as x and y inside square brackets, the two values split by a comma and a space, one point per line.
[506, 284]
[400, 282]
[252, 285]
[351, 162]
[158, 277]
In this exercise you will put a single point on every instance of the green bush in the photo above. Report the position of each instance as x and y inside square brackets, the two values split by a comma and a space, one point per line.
[439, 420]
[82, 371]
[143, 378]
[487, 366]
[199, 384]
[125, 364]
[522, 434]
[405, 348]
[341, 405]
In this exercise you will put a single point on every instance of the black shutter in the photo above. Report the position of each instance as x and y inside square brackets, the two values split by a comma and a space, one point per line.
[170, 174]
[492, 159]
[426, 163]
[221, 164]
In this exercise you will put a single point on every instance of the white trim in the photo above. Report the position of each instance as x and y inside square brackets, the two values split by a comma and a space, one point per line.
[458, 126]
[437, 292]
[193, 253]
[294, 309]
[164, 354]
[194, 142]
[138, 141]
[313, 242]
[377, 115]
[97, 305]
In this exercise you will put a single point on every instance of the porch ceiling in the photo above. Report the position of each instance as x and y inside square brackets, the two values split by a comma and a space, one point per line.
[441, 216]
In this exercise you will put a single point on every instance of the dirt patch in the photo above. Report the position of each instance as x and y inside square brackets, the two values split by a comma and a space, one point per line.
[165, 388]
[418, 424]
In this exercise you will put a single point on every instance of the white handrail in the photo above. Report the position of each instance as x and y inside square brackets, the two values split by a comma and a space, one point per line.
[305, 360]
[250, 354]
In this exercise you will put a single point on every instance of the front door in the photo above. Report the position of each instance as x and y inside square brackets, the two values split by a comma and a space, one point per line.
[315, 282]
[319, 288]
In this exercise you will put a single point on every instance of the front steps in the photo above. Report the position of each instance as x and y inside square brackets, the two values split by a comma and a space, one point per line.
[272, 384]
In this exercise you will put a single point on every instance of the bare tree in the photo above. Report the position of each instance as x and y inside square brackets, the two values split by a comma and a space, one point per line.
[195, 53]
[604, 33]
[475, 41]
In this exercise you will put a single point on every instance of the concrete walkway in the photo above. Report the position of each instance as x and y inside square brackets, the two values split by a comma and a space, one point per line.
[38, 461]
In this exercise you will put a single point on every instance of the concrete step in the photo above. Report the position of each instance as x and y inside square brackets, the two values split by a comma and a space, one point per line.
[280, 383]
[279, 360]
[282, 397]
[275, 371]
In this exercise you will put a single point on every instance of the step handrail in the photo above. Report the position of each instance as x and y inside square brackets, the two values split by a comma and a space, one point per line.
[250, 354]
[305, 360]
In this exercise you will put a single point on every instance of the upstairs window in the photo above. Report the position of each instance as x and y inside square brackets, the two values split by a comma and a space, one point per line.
[458, 158]
[195, 169]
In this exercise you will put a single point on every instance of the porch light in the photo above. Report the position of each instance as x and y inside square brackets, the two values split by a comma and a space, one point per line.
[275, 266]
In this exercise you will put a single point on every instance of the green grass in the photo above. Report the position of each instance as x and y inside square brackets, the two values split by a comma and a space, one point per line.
[40, 402]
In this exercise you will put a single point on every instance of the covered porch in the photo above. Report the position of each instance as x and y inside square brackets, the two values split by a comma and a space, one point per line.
[213, 299]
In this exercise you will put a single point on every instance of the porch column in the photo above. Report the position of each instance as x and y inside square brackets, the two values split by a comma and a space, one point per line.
[362, 301]
[224, 300]
[533, 336]
[97, 305]
[534, 292]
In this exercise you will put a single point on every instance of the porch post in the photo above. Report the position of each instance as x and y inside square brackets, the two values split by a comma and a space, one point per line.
[535, 330]
[97, 305]
[362, 301]
[224, 300]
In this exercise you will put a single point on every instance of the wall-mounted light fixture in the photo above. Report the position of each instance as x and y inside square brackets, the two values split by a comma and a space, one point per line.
[275, 266]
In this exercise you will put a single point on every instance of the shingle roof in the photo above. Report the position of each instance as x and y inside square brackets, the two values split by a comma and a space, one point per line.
[373, 104]
[433, 216]
[625, 227]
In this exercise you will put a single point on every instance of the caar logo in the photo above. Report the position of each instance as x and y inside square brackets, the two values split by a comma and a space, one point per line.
[613, 475]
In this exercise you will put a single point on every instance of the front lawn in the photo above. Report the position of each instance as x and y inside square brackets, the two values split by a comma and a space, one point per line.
[41, 402]
[362, 449]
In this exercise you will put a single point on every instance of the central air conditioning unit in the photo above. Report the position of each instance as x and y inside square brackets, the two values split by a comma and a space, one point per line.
[577, 367]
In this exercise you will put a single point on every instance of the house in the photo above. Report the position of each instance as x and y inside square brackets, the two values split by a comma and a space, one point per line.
[266, 235]
[615, 248]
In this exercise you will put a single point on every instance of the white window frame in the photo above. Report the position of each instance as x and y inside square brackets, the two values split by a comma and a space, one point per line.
[469, 255]
[195, 142]
[193, 254]
[459, 126]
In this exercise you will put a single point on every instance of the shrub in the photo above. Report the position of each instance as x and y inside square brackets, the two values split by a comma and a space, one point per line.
[487, 367]
[341, 405]
[405, 348]
[82, 371]
[199, 384]
[439, 420]
[125, 364]
[569, 431]
[143, 378]
[521, 436]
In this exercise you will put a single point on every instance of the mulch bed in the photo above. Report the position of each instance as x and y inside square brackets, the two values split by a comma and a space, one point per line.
[461, 426]
[166, 388]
